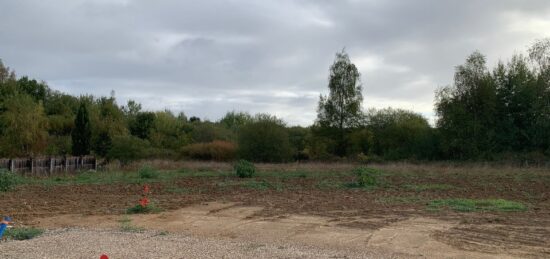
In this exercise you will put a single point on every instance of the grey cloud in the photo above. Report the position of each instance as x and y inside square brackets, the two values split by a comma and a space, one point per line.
[208, 57]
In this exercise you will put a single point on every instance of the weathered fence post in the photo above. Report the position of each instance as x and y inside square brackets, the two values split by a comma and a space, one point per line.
[12, 166]
[65, 165]
[51, 165]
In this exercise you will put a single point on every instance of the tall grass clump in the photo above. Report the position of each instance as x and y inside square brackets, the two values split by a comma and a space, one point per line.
[8, 180]
[148, 172]
[366, 177]
[244, 169]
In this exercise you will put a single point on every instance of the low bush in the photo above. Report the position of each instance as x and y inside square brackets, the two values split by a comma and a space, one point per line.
[367, 176]
[244, 169]
[8, 180]
[147, 172]
[216, 150]
[22, 233]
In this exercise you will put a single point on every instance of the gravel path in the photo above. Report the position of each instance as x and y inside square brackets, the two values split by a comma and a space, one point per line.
[84, 243]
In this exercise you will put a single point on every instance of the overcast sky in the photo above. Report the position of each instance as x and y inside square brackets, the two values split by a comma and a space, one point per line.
[209, 57]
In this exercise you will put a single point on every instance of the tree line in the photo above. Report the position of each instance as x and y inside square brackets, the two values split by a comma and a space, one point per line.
[486, 114]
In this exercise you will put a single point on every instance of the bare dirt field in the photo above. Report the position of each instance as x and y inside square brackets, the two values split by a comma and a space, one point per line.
[311, 206]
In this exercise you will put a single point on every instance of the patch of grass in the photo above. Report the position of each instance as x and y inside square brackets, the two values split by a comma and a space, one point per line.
[22, 233]
[329, 184]
[397, 200]
[110, 177]
[428, 187]
[472, 205]
[211, 173]
[127, 226]
[253, 184]
[148, 172]
[263, 185]
[285, 174]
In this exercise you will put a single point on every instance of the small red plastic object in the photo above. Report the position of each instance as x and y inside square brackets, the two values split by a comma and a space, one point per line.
[143, 202]
[103, 257]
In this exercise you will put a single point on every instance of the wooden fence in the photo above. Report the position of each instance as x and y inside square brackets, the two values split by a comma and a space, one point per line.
[48, 165]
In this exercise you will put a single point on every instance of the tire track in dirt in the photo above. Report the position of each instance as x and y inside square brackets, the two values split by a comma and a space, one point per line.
[521, 241]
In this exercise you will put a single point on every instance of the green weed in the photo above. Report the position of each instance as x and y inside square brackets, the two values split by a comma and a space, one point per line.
[8, 180]
[148, 172]
[367, 176]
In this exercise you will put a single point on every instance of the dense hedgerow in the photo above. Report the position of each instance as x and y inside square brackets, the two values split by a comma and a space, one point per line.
[216, 150]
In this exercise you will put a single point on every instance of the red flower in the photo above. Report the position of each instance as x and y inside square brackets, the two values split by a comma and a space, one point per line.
[143, 202]
[145, 189]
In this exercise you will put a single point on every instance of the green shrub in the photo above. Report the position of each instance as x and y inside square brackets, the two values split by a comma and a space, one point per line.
[367, 176]
[22, 233]
[147, 172]
[8, 180]
[244, 169]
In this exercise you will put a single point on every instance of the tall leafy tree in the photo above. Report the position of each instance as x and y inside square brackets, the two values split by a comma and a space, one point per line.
[167, 131]
[467, 110]
[234, 120]
[400, 134]
[142, 124]
[25, 127]
[341, 109]
[82, 132]
[539, 53]
[37, 90]
[516, 100]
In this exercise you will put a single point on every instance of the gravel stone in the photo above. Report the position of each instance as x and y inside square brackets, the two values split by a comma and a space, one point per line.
[86, 243]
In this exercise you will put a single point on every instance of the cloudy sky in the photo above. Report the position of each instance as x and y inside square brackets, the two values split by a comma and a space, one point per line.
[208, 57]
